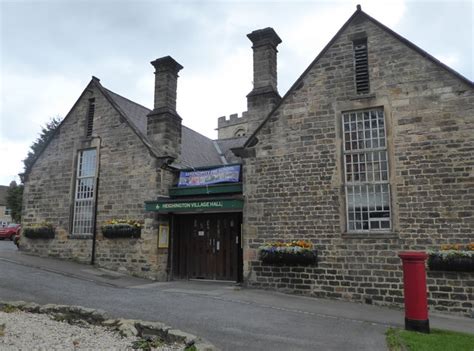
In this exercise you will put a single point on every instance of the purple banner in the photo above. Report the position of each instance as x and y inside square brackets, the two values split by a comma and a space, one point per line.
[226, 174]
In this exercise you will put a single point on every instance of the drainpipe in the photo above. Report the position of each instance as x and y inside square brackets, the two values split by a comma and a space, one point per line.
[94, 234]
[96, 200]
[170, 248]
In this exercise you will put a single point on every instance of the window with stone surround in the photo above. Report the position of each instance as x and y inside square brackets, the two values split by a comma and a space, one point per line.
[84, 204]
[239, 133]
[367, 186]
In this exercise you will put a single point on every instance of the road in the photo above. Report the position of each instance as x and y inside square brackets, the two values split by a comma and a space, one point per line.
[229, 317]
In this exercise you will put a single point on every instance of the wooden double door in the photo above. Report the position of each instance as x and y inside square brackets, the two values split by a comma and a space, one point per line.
[208, 246]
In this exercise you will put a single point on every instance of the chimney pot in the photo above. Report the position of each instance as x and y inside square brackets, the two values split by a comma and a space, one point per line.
[265, 36]
[164, 123]
[166, 82]
[264, 95]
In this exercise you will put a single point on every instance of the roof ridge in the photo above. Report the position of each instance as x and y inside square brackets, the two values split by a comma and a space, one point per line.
[136, 103]
[359, 11]
[195, 131]
[123, 97]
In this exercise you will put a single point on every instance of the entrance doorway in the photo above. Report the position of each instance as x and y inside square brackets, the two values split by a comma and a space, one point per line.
[208, 246]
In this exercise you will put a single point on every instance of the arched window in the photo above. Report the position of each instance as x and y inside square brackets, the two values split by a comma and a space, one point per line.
[239, 132]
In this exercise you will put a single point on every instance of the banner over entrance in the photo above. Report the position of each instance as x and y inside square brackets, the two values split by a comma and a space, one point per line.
[225, 174]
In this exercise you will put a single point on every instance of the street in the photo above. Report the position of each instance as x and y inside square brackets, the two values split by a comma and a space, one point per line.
[230, 317]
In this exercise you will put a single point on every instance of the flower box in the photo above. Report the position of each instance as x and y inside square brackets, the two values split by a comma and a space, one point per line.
[288, 254]
[113, 231]
[451, 260]
[39, 231]
[122, 228]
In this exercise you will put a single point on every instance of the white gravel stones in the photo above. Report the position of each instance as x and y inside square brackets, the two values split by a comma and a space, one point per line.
[26, 331]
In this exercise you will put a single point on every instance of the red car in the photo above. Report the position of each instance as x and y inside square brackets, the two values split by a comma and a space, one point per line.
[10, 231]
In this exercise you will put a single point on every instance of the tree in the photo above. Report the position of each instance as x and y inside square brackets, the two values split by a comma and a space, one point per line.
[35, 149]
[14, 200]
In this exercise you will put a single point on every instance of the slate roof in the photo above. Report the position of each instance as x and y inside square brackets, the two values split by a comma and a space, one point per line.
[3, 195]
[197, 150]
[225, 146]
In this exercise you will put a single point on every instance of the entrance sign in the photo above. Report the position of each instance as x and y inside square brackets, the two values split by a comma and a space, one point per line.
[163, 237]
[226, 174]
[193, 206]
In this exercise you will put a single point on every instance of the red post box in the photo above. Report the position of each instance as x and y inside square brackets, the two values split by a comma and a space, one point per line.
[414, 288]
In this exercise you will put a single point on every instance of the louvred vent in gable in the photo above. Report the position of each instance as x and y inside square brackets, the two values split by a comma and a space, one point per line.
[361, 67]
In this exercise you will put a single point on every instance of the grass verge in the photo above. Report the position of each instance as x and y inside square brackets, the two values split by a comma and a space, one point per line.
[437, 340]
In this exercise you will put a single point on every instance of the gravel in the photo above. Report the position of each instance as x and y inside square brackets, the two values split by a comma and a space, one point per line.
[28, 331]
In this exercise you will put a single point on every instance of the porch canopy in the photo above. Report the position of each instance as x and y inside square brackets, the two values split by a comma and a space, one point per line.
[216, 189]
[207, 204]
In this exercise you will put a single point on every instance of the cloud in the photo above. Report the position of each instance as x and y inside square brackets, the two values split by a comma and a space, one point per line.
[49, 50]
[30, 100]
[12, 153]
[451, 59]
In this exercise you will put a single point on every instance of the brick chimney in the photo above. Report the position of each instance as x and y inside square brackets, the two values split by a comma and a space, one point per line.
[264, 96]
[164, 123]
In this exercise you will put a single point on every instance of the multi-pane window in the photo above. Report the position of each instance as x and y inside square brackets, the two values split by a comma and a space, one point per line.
[367, 184]
[83, 221]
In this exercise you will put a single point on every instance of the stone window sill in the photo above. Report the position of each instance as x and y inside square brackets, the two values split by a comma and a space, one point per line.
[373, 235]
[79, 236]
[363, 96]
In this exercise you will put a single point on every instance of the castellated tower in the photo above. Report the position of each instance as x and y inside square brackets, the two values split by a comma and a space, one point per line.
[264, 95]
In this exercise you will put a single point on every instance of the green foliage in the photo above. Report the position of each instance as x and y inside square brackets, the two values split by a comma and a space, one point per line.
[43, 230]
[9, 309]
[47, 132]
[437, 340]
[14, 200]
[190, 348]
[147, 343]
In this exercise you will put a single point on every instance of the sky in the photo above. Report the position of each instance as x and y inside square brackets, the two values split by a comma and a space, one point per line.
[49, 49]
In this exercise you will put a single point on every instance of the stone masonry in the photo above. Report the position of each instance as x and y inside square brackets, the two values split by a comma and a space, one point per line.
[233, 126]
[264, 95]
[293, 177]
[122, 191]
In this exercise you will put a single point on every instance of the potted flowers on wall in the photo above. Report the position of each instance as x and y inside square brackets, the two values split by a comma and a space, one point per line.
[42, 230]
[455, 257]
[121, 228]
[297, 252]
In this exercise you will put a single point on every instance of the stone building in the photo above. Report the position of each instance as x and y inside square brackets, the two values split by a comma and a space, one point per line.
[108, 156]
[369, 153]
[5, 216]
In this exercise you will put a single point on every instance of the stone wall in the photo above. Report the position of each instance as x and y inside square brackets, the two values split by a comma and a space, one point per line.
[4, 217]
[293, 183]
[128, 176]
[227, 128]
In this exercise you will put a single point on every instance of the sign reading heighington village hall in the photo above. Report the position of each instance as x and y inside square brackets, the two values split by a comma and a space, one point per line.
[166, 207]
[227, 174]
[183, 205]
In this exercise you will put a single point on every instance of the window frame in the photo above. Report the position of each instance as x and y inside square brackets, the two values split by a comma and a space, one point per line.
[375, 166]
[82, 199]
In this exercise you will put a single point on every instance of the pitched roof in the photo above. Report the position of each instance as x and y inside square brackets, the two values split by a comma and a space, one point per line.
[3, 195]
[251, 139]
[225, 146]
[197, 150]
